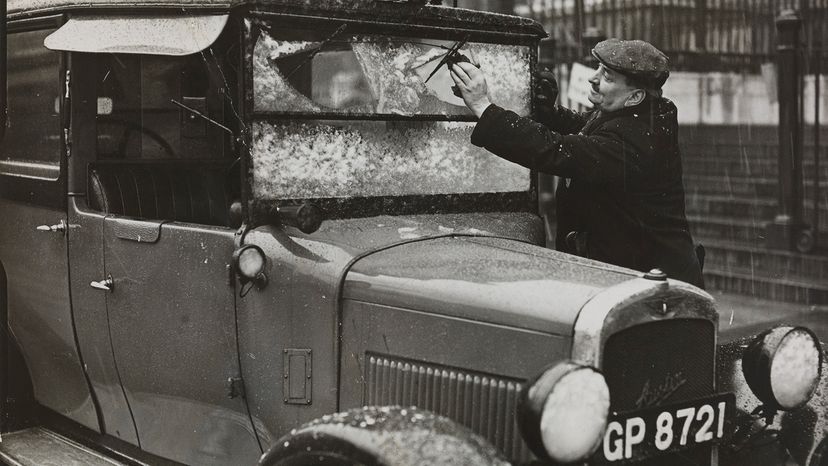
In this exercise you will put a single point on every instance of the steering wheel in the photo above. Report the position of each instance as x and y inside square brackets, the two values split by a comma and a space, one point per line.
[133, 127]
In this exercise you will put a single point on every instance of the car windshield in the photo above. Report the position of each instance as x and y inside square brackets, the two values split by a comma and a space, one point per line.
[339, 115]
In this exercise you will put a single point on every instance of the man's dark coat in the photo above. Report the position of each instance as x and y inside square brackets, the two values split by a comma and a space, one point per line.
[622, 190]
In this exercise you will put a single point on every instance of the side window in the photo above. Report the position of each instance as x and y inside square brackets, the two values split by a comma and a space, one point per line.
[157, 107]
[162, 140]
[31, 147]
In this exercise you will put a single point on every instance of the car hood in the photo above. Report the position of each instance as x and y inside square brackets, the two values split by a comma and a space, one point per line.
[482, 267]
[496, 280]
[360, 236]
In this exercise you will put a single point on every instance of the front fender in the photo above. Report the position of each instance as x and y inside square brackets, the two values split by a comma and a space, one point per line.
[383, 436]
[792, 435]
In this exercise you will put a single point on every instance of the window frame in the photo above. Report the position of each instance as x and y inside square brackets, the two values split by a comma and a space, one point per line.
[85, 124]
[257, 211]
[29, 181]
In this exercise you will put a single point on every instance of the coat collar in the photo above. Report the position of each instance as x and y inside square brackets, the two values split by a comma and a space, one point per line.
[650, 107]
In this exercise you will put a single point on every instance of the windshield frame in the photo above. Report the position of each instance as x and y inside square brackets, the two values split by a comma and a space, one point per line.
[357, 207]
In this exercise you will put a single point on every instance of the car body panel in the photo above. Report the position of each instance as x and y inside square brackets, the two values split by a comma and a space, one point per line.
[488, 279]
[298, 309]
[40, 315]
[466, 369]
[92, 322]
[86, 257]
[474, 345]
[353, 9]
[176, 350]
[33, 246]
[451, 312]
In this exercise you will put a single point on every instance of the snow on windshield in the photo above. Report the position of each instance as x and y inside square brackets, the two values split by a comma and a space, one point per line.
[272, 91]
[344, 159]
[375, 76]
[380, 75]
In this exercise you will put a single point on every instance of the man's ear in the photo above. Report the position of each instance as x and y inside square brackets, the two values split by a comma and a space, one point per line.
[635, 98]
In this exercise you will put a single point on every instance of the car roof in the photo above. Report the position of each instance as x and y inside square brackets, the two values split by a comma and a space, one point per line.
[16, 7]
[366, 9]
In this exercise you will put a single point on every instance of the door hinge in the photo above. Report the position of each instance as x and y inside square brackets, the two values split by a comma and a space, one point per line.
[67, 133]
[67, 82]
[235, 387]
[67, 138]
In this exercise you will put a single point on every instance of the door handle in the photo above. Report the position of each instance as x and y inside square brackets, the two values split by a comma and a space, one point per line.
[60, 227]
[106, 285]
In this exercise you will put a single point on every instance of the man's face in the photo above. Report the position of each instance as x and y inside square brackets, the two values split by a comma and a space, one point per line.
[610, 90]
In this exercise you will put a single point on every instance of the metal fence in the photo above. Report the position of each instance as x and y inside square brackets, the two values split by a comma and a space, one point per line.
[698, 35]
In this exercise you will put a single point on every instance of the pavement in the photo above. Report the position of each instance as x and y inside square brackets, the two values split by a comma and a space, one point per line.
[741, 316]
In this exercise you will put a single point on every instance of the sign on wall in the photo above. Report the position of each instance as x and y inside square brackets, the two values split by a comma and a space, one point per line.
[579, 86]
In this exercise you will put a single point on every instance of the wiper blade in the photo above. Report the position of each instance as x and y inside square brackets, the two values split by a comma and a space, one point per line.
[449, 56]
[421, 43]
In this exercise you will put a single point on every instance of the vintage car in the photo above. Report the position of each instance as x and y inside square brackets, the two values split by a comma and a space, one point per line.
[256, 231]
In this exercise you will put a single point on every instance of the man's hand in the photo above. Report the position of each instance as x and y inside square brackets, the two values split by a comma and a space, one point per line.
[546, 93]
[472, 84]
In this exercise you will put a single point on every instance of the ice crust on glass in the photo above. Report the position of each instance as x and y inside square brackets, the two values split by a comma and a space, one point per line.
[390, 66]
[270, 88]
[297, 160]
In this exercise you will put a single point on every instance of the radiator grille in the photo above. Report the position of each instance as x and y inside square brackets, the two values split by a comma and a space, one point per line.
[662, 363]
[483, 403]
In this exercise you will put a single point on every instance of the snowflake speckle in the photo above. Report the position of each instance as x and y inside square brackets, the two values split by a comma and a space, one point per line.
[314, 160]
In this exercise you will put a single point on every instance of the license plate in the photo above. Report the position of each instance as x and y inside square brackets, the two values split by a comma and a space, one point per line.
[650, 432]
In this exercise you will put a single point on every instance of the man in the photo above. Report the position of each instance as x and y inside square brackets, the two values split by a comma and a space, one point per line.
[621, 199]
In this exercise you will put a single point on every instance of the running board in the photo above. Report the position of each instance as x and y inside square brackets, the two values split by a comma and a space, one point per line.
[38, 446]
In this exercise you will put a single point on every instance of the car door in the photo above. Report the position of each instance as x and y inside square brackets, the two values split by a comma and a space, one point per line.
[172, 319]
[167, 251]
[156, 203]
[33, 225]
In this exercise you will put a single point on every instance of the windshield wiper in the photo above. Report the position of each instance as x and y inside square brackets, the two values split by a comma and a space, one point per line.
[453, 55]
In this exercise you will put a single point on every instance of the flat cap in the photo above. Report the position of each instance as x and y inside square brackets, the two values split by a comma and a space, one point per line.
[635, 58]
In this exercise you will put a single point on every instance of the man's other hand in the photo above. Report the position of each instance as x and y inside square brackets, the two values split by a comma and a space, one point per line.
[546, 93]
[472, 85]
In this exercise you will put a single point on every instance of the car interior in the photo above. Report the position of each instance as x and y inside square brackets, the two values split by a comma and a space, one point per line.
[163, 150]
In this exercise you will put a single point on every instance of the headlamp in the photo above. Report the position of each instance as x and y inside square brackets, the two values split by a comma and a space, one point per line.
[562, 414]
[249, 262]
[782, 366]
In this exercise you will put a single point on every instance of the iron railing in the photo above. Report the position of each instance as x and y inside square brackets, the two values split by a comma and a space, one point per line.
[698, 35]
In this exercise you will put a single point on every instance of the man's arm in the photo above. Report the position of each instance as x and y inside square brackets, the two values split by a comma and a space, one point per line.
[602, 157]
[560, 119]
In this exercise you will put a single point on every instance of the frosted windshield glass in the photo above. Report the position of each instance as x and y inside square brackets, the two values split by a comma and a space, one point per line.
[327, 159]
[380, 75]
